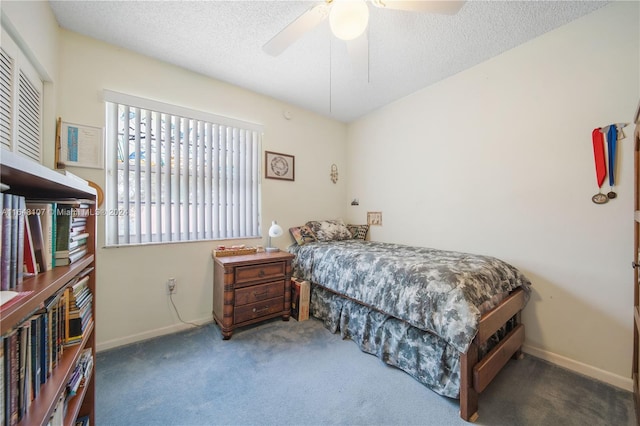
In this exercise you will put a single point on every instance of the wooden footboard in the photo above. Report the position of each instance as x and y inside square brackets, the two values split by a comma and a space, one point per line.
[476, 374]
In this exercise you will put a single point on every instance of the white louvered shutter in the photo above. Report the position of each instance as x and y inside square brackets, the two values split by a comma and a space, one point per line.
[29, 118]
[6, 98]
[21, 91]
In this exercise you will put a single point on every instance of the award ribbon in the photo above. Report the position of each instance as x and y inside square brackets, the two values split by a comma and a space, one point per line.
[598, 155]
[612, 139]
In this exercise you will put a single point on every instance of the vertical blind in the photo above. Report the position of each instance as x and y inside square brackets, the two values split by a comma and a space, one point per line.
[175, 174]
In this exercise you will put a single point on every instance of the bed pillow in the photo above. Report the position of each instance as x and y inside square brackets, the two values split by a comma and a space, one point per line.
[358, 232]
[329, 230]
[302, 234]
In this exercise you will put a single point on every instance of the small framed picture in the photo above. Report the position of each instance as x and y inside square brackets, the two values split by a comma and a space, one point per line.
[279, 166]
[374, 218]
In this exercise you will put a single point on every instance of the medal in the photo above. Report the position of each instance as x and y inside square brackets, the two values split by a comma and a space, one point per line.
[612, 140]
[599, 198]
[598, 155]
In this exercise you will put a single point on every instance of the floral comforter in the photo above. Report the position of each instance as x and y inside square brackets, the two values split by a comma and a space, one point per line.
[437, 291]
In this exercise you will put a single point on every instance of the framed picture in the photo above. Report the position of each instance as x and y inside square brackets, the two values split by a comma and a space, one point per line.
[279, 166]
[79, 146]
[374, 218]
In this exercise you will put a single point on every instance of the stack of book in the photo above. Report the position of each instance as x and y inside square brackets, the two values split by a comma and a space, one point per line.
[79, 300]
[71, 233]
[81, 371]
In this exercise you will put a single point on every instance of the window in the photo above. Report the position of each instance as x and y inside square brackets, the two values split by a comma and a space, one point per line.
[20, 102]
[175, 174]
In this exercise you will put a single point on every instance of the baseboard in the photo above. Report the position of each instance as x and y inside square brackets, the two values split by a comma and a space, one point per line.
[134, 338]
[587, 370]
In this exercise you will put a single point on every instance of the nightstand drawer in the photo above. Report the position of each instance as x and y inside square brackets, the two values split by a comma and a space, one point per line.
[259, 292]
[265, 271]
[257, 310]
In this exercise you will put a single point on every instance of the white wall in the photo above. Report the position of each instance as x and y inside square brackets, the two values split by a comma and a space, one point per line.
[132, 301]
[498, 160]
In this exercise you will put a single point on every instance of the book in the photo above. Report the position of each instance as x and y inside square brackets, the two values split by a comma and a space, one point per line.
[79, 237]
[13, 253]
[78, 309]
[300, 295]
[1, 241]
[12, 370]
[29, 254]
[76, 228]
[54, 233]
[5, 262]
[2, 381]
[6, 296]
[23, 345]
[34, 377]
[57, 418]
[50, 316]
[21, 208]
[63, 228]
[78, 253]
[77, 243]
[45, 211]
[44, 370]
[35, 226]
[10, 297]
[82, 421]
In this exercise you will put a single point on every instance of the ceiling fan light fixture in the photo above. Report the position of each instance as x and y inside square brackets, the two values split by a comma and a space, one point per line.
[348, 19]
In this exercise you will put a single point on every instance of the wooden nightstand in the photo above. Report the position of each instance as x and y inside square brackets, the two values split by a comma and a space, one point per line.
[251, 288]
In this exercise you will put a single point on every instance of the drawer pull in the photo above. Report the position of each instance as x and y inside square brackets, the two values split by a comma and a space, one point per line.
[261, 273]
[259, 295]
[261, 310]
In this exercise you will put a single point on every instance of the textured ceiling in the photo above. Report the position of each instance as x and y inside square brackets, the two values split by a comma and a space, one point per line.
[408, 50]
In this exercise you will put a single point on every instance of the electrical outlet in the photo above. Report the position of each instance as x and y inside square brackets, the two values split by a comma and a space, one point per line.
[171, 286]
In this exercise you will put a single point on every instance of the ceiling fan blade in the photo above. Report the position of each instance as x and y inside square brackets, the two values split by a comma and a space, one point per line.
[296, 29]
[447, 7]
[358, 50]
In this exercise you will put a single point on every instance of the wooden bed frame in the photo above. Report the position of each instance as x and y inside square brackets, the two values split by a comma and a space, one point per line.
[475, 373]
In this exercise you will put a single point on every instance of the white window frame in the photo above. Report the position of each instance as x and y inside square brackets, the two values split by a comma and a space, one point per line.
[201, 205]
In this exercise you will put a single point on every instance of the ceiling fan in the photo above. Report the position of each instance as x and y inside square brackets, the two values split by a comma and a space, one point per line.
[349, 19]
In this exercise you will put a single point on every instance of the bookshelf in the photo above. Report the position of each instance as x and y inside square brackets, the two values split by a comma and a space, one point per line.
[33, 181]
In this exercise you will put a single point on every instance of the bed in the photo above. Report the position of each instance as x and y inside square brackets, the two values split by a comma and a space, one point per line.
[451, 320]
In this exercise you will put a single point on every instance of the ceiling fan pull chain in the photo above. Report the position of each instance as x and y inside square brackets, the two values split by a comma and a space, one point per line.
[330, 69]
[368, 54]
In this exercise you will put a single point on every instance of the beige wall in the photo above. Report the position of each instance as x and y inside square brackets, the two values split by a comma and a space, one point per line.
[132, 301]
[498, 160]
